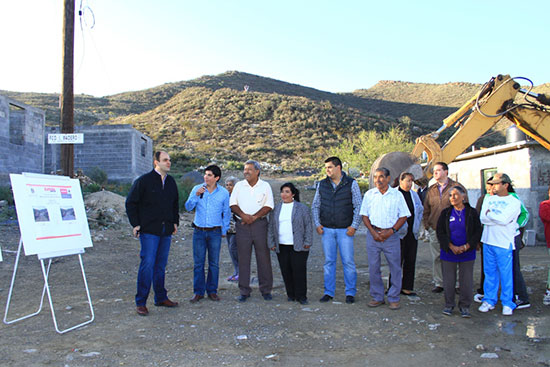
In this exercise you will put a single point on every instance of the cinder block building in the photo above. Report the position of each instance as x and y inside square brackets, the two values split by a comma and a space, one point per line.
[21, 138]
[121, 151]
[528, 165]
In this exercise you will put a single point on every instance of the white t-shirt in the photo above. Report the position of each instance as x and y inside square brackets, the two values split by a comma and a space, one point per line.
[285, 224]
[499, 214]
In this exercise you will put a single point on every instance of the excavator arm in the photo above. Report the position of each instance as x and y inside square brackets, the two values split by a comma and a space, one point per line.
[495, 100]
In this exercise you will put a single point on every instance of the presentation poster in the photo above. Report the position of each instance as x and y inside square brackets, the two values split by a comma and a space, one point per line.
[51, 213]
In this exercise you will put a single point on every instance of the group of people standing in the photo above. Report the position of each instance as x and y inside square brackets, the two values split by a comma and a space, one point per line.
[245, 213]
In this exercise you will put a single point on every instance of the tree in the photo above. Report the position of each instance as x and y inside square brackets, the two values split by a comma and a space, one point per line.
[363, 149]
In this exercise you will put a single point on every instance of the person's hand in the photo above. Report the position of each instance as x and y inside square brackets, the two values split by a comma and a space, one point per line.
[376, 236]
[135, 231]
[201, 191]
[320, 230]
[247, 218]
[307, 246]
[273, 248]
[386, 233]
[175, 229]
[351, 231]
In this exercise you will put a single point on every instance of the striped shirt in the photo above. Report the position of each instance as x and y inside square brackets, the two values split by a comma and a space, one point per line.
[383, 210]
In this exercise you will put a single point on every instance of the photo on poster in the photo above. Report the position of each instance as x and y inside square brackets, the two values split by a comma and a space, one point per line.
[67, 213]
[41, 214]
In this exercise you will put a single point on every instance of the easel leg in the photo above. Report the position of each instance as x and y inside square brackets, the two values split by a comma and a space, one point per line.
[6, 321]
[47, 287]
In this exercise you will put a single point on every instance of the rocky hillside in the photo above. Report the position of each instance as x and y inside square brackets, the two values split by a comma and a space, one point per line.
[272, 120]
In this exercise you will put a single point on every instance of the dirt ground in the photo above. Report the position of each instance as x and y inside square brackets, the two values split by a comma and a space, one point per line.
[257, 332]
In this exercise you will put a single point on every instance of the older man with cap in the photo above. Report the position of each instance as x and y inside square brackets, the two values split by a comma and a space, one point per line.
[499, 214]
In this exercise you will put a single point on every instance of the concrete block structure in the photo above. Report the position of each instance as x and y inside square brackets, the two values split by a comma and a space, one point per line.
[528, 165]
[21, 138]
[120, 150]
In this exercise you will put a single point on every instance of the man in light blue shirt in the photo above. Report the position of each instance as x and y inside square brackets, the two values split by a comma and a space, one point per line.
[211, 222]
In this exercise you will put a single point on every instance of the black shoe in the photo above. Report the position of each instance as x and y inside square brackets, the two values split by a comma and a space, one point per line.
[290, 299]
[412, 294]
[303, 301]
[267, 296]
[350, 299]
[448, 311]
[325, 298]
[242, 298]
[437, 289]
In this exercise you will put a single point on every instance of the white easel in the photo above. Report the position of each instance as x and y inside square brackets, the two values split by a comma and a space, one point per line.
[57, 236]
[46, 289]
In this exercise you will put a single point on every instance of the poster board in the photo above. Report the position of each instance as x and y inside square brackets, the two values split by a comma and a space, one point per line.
[51, 214]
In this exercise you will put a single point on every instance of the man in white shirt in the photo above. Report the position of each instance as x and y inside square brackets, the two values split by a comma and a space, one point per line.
[499, 215]
[251, 201]
[384, 211]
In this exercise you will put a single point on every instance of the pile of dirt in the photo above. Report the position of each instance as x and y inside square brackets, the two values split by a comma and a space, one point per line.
[105, 209]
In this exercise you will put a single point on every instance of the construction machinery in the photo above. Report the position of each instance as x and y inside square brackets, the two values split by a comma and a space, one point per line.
[501, 97]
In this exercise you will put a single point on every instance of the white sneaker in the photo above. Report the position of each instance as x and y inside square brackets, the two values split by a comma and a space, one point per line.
[478, 298]
[546, 299]
[507, 311]
[486, 307]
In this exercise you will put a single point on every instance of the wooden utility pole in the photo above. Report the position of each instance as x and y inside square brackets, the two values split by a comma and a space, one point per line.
[67, 96]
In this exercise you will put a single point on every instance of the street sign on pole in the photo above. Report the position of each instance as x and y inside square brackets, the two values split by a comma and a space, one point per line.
[66, 138]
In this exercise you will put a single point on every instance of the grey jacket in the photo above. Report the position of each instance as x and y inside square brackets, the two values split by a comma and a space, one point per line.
[302, 227]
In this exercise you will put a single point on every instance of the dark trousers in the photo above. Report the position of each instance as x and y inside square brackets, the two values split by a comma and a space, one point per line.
[466, 280]
[294, 271]
[249, 235]
[520, 290]
[409, 246]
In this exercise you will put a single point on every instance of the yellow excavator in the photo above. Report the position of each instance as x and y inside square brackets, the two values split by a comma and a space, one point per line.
[501, 97]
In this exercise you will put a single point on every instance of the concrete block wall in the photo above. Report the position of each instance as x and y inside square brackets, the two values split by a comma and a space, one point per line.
[529, 168]
[120, 150]
[21, 138]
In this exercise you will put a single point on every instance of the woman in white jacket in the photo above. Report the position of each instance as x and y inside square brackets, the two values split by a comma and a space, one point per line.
[409, 232]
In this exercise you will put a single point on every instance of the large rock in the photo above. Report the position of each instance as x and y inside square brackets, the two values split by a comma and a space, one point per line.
[105, 208]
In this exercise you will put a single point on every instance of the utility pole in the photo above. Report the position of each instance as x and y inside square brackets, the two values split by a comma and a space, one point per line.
[67, 96]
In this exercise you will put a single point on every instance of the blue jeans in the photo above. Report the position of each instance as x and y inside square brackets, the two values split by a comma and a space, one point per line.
[335, 239]
[206, 241]
[154, 256]
[233, 253]
[497, 265]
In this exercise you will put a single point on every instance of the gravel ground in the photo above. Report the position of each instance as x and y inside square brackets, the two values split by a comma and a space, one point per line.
[257, 332]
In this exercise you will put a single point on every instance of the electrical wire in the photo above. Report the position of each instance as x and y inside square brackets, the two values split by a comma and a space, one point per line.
[529, 103]
[82, 11]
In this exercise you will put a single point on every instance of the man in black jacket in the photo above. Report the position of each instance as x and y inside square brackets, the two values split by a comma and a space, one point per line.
[153, 212]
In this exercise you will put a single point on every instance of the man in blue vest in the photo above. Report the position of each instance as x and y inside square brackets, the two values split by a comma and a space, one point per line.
[335, 210]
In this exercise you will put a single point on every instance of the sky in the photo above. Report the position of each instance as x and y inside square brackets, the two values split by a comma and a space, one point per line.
[335, 46]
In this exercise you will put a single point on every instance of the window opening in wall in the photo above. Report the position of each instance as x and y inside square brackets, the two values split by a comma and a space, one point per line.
[17, 124]
[485, 175]
[143, 146]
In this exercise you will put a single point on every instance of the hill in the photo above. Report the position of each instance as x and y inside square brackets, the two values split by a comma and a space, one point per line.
[229, 125]
[283, 120]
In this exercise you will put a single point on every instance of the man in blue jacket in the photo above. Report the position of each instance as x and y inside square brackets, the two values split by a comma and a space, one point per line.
[152, 209]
